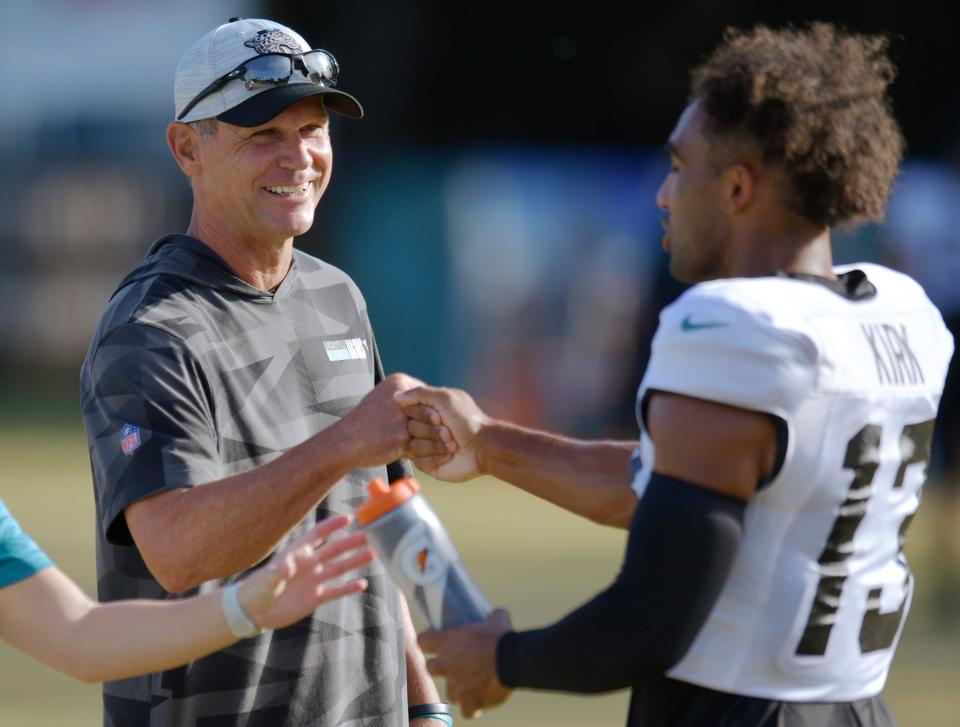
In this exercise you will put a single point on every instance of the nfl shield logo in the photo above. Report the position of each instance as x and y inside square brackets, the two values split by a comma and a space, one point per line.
[129, 438]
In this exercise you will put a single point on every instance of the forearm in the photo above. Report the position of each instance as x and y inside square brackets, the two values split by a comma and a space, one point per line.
[182, 533]
[50, 618]
[645, 622]
[421, 688]
[588, 478]
[136, 637]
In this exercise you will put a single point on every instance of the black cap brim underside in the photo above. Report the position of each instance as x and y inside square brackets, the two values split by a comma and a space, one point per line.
[264, 106]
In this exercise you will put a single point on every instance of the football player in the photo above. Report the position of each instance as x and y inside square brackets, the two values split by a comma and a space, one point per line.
[786, 417]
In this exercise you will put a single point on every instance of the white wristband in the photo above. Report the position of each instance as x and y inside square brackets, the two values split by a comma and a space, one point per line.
[240, 623]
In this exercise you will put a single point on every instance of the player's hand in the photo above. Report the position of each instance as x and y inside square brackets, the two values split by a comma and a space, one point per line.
[467, 657]
[436, 413]
[298, 578]
[375, 430]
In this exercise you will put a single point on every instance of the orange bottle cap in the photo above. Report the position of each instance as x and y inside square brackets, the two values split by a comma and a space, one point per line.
[385, 498]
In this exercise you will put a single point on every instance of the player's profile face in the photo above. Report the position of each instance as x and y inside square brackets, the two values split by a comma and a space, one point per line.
[262, 184]
[695, 230]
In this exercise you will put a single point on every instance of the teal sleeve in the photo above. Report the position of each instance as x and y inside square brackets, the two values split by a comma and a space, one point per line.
[20, 557]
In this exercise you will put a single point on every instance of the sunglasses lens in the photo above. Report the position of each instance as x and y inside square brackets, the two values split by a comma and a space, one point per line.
[321, 67]
[267, 70]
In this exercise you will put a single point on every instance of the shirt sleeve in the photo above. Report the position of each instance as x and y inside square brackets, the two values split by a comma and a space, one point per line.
[709, 347]
[149, 422]
[20, 557]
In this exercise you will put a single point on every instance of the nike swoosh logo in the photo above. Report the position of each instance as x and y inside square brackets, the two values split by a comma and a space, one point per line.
[689, 325]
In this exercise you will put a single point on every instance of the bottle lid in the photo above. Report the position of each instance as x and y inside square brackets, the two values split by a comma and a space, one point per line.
[384, 498]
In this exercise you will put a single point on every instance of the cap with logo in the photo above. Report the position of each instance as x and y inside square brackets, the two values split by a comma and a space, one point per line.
[226, 48]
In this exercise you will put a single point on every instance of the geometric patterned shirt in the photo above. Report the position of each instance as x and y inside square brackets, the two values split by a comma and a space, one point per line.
[193, 375]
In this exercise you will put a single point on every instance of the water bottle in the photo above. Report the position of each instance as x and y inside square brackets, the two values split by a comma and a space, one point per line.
[407, 536]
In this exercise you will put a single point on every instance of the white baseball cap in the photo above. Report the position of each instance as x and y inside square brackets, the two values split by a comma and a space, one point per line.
[224, 49]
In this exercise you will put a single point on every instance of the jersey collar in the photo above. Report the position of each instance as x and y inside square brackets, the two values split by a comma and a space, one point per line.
[213, 271]
[852, 285]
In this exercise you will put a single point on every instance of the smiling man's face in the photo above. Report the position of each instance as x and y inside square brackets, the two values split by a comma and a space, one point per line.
[262, 184]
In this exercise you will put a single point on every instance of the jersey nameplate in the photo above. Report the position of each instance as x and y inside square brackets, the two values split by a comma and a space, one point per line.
[895, 361]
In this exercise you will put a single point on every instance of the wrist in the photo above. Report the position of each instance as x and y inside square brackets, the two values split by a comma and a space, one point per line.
[239, 621]
[489, 433]
[332, 452]
[484, 443]
[246, 598]
[501, 657]
[435, 713]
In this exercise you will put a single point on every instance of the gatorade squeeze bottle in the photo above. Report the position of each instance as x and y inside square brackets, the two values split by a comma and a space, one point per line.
[408, 537]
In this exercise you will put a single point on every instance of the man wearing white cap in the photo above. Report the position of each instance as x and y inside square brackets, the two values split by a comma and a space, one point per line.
[230, 399]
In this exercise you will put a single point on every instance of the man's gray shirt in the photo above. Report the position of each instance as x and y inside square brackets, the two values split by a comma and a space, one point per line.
[194, 375]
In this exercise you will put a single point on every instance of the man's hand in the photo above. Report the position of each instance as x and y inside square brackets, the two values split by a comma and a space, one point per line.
[375, 431]
[438, 416]
[467, 657]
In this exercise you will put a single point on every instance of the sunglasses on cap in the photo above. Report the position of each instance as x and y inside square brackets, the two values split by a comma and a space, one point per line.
[274, 69]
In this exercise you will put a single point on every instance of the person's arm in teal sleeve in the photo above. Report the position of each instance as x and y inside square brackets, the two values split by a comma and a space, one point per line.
[47, 616]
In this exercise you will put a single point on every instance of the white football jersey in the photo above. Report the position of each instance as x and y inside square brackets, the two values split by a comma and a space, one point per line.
[820, 589]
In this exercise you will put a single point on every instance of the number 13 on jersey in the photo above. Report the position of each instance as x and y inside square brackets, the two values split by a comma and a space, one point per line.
[838, 561]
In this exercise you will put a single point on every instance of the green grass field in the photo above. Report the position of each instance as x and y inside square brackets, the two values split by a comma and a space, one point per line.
[527, 555]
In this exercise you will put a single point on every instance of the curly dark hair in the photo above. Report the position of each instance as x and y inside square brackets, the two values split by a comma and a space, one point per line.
[813, 102]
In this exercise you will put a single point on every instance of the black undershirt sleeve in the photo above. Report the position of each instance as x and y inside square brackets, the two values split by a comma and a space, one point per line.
[398, 469]
[682, 543]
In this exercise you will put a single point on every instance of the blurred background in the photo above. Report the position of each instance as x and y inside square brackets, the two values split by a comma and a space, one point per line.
[496, 208]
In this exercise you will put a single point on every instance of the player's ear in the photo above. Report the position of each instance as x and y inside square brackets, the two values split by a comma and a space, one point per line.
[740, 186]
[184, 144]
